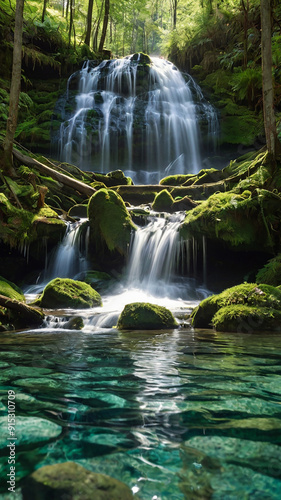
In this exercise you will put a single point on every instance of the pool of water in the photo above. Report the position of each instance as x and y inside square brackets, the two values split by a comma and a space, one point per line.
[176, 414]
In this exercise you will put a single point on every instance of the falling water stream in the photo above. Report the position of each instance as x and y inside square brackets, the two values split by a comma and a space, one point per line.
[141, 118]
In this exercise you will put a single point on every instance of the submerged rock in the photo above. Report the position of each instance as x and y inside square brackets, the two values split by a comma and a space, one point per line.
[145, 316]
[65, 292]
[245, 307]
[73, 482]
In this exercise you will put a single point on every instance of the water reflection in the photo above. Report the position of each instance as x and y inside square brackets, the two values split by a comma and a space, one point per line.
[175, 414]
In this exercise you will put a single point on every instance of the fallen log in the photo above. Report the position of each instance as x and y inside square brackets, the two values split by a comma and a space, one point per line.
[79, 186]
[26, 316]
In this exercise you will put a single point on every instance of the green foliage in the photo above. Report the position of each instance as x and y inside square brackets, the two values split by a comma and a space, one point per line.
[11, 290]
[271, 272]
[247, 84]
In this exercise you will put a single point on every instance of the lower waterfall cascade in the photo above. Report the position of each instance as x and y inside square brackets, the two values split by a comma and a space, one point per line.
[140, 117]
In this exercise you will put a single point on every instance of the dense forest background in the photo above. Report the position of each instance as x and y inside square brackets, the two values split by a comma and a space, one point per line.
[217, 41]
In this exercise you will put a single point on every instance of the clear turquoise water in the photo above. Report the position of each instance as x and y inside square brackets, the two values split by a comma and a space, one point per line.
[174, 415]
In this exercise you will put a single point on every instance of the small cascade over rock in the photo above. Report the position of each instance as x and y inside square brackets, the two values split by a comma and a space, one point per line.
[70, 258]
[139, 114]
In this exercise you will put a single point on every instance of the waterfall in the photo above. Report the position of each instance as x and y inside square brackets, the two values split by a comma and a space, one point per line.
[70, 258]
[154, 253]
[139, 116]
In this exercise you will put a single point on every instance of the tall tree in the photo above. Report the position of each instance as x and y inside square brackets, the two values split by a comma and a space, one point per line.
[14, 92]
[105, 23]
[44, 10]
[89, 22]
[267, 81]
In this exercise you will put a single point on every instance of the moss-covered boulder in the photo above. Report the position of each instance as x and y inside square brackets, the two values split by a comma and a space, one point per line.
[271, 272]
[11, 290]
[145, 316]
[19, 227]
[114, 178]
[249, 295]
[163, 201]
[242, 220]
[65, 292]
[246, 319]
[110, 227]
[73, 482]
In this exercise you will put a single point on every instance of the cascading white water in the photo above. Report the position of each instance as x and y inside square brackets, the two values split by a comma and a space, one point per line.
[154, 253]
[138, 117]
[69, 261]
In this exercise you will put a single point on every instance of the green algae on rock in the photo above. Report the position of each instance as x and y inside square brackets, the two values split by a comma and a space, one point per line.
[72, 481]
[65, 292]
[145, 316]
[221, 309]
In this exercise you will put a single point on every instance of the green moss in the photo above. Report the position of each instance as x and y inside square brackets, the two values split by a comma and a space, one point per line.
[11, 290]
[145, 316]
[271, 272]
[241, 129]
[163, 201]
[246, 319]
[64, 292]
[176, 180]
[110, 222]
[246, 294]
[242, 220]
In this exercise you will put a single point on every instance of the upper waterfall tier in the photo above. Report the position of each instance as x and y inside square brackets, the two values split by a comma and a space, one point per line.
[139, 114]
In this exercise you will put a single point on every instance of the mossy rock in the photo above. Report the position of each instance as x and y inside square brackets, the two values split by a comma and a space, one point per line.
[65, 292]
[73, 482]
[176, 180]
[246, 294]
[145, 316]
[110, 223]
[114, 178]
[11, 290]
[247, 319]
[271, 272]
[244, 220]
[163, 201]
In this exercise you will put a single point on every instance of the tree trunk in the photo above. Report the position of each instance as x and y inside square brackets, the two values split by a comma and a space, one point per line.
[105, 23]
[7, 161]
[44, 10]
[246, 8]
[89, 23]
[83, 188]
[71, 7]
[267, 81]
